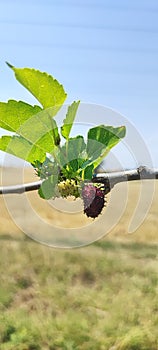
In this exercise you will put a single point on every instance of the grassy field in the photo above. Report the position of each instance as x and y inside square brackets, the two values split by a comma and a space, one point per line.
[100, 297]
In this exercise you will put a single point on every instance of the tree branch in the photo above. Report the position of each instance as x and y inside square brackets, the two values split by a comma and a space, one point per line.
[108, 179]
[20, 188]
[111, 179]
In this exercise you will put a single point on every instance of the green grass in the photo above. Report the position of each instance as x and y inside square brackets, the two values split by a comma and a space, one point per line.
[100, 297]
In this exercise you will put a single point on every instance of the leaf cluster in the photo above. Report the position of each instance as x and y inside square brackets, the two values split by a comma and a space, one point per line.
[36, 138]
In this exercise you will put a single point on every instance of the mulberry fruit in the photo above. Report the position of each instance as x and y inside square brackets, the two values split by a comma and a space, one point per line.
[94, 199]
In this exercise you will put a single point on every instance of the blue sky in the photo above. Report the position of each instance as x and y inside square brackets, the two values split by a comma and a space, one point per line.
[102, 51]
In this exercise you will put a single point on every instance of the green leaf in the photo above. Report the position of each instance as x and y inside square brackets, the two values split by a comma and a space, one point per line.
[101, 139]
[74, 165]
[40, 126]
[48, 91]
[70, 151]
[68, 121]
[21, 148]
[75, 147]
[31, 122]
[88, 172]
[47, 168]
[48, 187]
[15, 113]
[39, 134]
[55, 133]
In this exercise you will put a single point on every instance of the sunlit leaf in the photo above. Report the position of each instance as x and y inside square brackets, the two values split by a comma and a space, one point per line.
[36, 137]
[21, 148]
[31, 144]
[101, 139]
[69, 120]
[15, 113]
[47, 90]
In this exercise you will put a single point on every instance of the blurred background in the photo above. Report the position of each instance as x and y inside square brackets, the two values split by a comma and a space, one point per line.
[103, 51]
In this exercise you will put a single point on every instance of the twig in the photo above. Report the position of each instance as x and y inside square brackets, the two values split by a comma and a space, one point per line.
[20, 188]
[108, 179]
[111, 179]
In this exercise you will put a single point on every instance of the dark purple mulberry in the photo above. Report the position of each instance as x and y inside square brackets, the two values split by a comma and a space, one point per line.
[93, 198]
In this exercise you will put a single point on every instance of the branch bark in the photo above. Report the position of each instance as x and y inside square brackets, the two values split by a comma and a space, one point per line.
[111, 179]
[108, 179]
